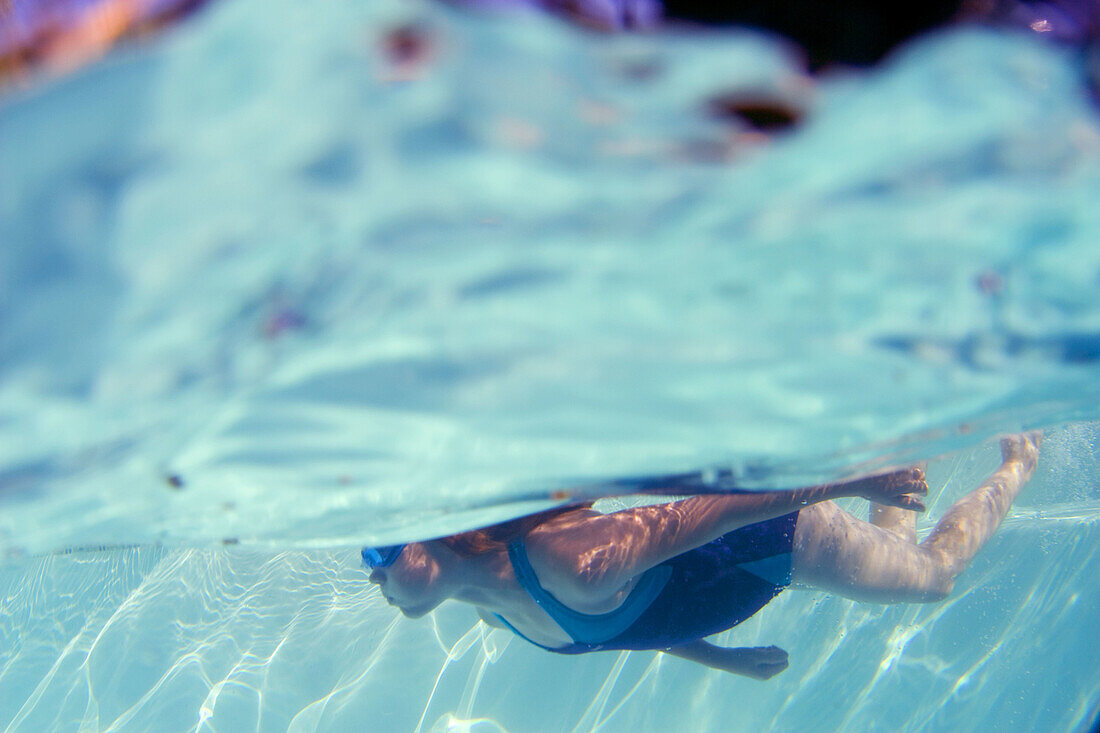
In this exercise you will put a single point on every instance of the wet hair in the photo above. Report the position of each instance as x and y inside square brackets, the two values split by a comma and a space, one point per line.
[498, 536]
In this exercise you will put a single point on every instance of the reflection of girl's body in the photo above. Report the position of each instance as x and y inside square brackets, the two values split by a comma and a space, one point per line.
[665, 576]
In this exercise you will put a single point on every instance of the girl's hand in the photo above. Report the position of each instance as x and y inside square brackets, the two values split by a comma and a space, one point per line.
[758, 662]
[902, 488]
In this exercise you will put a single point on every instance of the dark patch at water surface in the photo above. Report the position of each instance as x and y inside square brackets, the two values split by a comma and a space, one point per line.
[509, 280]
[855, 32]
[758, 111]
[337, 166]
[984, 351]
[24, 480]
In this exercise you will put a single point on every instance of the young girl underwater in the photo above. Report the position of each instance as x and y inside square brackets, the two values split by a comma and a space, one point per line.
[665, 576]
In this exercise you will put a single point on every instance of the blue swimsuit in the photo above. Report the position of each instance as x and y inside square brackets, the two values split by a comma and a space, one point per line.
[701, 592]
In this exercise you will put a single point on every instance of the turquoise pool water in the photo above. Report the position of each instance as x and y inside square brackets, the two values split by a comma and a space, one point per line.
[265, 298]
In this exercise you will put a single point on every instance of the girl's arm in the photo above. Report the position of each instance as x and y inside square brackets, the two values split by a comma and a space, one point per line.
[585, 558]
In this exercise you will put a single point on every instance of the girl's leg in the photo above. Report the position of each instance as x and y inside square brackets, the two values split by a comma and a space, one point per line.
[898, 521]
[835, 551]
[902, 522]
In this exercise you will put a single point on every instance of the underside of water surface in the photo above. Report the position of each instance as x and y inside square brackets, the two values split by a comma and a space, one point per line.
[264, 285]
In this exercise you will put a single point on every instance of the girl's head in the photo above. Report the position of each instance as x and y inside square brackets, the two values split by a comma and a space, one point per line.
[412, 579]
[418, 576]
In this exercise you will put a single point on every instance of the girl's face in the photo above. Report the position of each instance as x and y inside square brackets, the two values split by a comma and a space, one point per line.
[411, 583]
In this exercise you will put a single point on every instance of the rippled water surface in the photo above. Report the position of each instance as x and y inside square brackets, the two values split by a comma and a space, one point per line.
[259, 286]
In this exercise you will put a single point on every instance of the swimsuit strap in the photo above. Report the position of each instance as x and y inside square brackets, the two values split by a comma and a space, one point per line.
[588, 628]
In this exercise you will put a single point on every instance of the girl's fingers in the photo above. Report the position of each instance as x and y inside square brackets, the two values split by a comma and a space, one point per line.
[907, 501]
